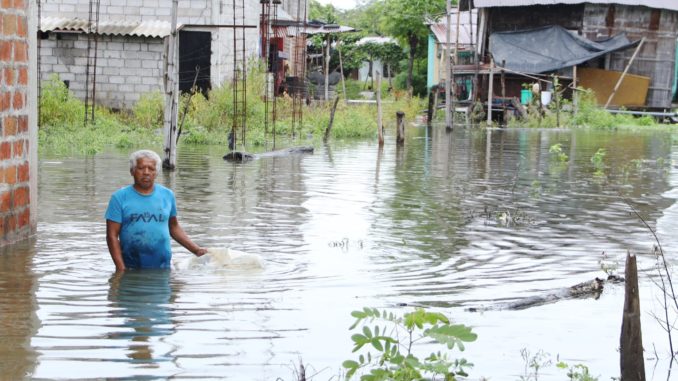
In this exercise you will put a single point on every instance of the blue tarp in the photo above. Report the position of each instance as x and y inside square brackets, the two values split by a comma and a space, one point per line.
[549, 49]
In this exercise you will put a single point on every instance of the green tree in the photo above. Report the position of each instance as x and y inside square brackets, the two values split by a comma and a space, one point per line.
[325, 13]
[367, 17]
[407, 21]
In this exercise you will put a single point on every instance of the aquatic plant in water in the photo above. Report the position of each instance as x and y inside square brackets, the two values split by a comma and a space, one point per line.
[393, 341]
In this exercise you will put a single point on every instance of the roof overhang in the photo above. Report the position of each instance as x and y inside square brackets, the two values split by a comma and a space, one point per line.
[147, 28]
[671, 5]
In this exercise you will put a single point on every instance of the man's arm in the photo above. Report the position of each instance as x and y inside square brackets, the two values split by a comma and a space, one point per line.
[113, 241]
[180, 236]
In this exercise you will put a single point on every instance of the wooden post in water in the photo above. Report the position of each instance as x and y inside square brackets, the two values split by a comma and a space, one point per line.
[431, 105]
[503, 92]
[400, 138]
[329, 125]
[171, 82]
[631, 341]
[448, 69]
[380, 128]
[575, 101]
[490, 90]
[341, 70]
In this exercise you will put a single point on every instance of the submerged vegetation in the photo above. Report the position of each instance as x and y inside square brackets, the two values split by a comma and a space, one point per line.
[394, 357]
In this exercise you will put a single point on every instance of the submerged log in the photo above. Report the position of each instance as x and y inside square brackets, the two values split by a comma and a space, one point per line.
[590, 289]
[238, 156]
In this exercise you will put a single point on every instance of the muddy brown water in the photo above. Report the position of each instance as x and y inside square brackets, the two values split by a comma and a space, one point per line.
[474, 218]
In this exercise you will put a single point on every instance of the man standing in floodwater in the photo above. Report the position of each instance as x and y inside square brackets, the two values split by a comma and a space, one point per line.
[142, 217]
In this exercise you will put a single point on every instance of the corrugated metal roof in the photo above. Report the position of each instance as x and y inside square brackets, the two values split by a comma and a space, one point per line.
[328, 28]
[440, 32]
[149, 28]
[376, 40]
[659, 4]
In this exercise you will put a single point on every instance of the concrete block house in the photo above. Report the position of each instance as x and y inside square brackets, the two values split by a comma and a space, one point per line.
[117, 54]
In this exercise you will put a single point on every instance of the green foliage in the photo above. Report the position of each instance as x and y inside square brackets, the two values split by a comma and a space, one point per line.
[556, 152]
[589, 115]
[58, 105]
[62, 128]
[578, 372]
[208, 120]
[418, 78]
[534, 363]
[325, 13]
[598, 158]
[392, 343]
[407, 21]
[148, 111]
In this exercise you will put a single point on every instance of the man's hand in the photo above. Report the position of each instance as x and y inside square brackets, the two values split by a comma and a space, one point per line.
[200, 252]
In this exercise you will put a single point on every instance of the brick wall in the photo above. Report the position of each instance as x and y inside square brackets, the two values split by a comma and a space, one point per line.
[15, 137]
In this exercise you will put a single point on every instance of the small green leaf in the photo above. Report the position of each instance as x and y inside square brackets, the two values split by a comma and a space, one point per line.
[358, 314]
[367, 332]
[377, 344]
[350, 364]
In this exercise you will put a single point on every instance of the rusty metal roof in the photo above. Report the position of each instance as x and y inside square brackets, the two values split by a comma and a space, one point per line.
[659, 4]
[465, 28]
[147, 28]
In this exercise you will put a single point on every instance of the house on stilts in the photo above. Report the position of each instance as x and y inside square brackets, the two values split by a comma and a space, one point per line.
[587, 43]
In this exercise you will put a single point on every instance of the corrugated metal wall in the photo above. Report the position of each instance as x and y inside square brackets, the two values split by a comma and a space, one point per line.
[656, 58]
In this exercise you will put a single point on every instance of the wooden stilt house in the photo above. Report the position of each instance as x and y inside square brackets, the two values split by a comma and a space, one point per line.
[655, 22]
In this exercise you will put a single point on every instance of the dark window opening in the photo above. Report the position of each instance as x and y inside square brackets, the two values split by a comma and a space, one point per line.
[195, 56]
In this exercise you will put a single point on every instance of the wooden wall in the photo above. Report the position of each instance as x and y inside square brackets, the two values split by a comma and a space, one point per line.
[504, 19]
[599, 21]
[656, 58]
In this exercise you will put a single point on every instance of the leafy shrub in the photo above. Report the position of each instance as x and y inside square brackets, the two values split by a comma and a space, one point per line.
[392, 343]
[58, 106]
[148, 111]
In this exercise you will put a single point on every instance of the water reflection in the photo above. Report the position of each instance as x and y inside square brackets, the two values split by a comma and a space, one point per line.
[18, 319]
[448, 221]
[142, 299]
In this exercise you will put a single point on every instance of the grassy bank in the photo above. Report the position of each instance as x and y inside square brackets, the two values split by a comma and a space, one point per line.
[208, 119]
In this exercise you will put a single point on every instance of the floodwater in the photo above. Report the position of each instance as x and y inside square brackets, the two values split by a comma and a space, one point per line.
[474, 218]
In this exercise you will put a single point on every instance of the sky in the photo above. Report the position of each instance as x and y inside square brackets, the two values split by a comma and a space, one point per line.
[339, 4]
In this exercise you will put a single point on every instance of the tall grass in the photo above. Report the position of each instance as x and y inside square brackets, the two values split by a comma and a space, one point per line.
[63, 130]
[589, 115]
[208, 120]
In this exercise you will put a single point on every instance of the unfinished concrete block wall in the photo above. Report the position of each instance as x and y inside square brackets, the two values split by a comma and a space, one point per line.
[127, 66]
[16, 135]
[189, 11]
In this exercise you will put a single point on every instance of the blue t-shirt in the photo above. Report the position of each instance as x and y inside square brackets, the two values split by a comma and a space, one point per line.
[144, 231]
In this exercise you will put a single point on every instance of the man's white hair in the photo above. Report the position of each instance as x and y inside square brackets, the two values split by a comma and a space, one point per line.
[144, 153]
